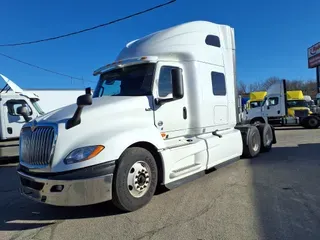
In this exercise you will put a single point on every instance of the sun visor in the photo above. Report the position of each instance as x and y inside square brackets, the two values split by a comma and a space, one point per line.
[15, 88]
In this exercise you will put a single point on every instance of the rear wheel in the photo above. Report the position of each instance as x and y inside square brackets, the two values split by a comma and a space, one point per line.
[135, 179]
[257, 121]
[266, 136]
[251, 142]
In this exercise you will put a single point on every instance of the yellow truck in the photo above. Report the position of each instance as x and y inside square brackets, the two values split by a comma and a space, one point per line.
[282, 107]
[296, 103]
[256, 98]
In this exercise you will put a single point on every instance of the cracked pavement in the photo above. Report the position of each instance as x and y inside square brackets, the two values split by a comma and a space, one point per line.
[274, 196]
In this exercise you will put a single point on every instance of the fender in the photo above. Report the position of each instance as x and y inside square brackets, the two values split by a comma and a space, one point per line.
[118, 143]
[115, 142]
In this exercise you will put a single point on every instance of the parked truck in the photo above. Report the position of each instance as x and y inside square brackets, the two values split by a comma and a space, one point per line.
[54, 98]
[162, 114]
[285, 108]
[256, 98]
[12, 97]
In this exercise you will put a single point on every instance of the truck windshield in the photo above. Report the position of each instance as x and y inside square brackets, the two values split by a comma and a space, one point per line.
[297, 103]
[255, 104]
[37, 106]
[133, 80]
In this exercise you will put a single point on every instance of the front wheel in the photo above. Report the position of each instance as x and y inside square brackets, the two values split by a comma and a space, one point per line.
[135, 179]
[311, 122]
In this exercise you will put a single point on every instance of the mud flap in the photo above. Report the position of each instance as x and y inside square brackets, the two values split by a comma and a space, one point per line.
[274, 140]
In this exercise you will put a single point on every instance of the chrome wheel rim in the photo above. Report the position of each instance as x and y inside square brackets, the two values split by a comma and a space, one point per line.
[255, 140]
[268, 138]
[138, 180]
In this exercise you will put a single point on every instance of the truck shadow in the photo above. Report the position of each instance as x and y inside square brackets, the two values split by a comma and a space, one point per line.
[287, 192]
[18, 213]
[290, 128]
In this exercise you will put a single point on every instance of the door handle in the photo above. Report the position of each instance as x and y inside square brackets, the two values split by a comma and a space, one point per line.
[278, 111]
[185, 114]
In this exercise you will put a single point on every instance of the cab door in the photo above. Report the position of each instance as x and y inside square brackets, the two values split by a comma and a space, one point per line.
[13, 122]
[171, 117]
[273, 108]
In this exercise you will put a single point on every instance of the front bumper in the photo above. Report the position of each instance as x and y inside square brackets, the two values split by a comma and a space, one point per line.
[80, 187]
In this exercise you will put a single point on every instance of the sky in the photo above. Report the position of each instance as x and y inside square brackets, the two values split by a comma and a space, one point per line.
[272, 36]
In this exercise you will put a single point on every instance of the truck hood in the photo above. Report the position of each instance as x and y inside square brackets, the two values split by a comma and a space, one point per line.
[108, 121]
[101, 107]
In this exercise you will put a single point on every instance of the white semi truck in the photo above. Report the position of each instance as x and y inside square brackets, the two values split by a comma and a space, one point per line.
[162, 114]
[54, 98]
[12, 97]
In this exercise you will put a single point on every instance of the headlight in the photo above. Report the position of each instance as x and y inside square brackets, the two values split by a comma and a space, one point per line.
[82, 154]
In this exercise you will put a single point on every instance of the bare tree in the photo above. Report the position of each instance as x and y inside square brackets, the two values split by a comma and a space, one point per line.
[269, 81]
[308, 87]
[242, 87]
[257, 86]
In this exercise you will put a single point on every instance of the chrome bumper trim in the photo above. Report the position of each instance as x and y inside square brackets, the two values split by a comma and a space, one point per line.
[75, 192]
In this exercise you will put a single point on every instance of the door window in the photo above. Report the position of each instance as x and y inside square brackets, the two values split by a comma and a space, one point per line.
[273, 101]
[14, 104]
[165, 81]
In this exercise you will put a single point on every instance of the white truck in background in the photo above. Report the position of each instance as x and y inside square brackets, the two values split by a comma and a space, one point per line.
[12, 97]
[162, 114]
[278, 109]
[52, 99]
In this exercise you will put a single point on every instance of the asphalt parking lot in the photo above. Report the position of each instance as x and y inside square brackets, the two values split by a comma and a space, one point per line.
[274, 196]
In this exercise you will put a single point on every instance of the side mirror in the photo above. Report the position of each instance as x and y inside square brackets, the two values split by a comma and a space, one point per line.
[177, 83]
[23, 111]
[82, 101]
[177, 87]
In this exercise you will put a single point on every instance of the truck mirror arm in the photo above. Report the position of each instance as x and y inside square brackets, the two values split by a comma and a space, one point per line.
[161, 101]
[82, 101]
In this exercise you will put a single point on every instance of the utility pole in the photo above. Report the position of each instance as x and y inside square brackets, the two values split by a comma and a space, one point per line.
[318, 79]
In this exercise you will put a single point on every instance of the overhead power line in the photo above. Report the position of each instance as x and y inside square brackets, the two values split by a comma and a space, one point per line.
[45, 69]
[87, 29]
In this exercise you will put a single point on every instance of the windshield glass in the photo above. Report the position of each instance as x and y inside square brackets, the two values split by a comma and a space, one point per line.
[37, 106]
[297, 103]
[264, 101]
[255, 104]
[128, 81]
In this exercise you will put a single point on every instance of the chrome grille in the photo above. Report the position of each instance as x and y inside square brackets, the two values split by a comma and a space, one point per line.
[36, 146]
[301, 113]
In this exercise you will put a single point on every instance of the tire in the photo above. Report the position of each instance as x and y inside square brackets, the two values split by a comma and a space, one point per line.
[251, 143]
[311, 122]
[135, 164]
[266, 135]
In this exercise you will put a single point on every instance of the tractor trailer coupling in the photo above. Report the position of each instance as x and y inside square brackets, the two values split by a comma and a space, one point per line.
[162, 114]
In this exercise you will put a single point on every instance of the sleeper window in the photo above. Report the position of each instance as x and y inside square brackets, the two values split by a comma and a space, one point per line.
[218, 84]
